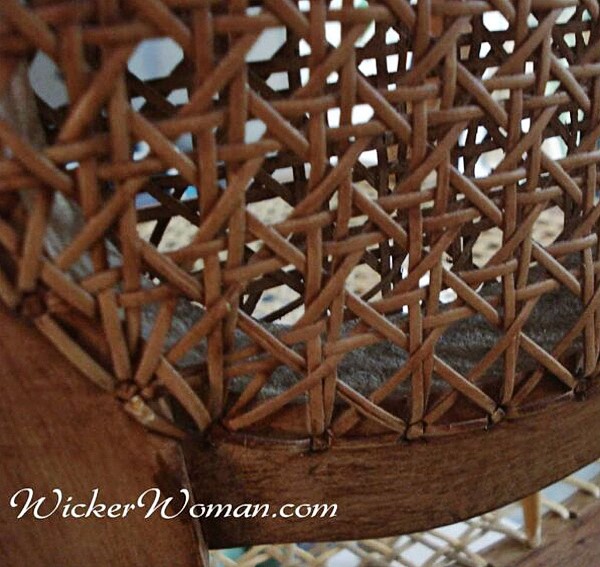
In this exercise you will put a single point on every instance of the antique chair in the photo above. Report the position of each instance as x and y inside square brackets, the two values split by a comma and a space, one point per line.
[191, 233]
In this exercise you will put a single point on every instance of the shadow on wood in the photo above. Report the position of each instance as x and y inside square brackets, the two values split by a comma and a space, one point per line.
[58, 431]
[390, 489]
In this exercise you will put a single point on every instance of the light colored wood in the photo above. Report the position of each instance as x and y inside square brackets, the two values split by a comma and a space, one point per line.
[532, 516]
[59, 431]
[566, 543]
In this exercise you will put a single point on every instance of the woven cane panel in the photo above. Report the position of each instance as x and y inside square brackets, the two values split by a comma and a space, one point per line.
[384, 169]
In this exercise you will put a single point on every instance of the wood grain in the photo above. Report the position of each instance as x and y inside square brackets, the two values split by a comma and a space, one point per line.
[58, 430]
[384, 490]
[570, 543]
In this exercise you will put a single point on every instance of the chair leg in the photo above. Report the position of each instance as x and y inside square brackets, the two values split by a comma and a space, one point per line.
[532, 514]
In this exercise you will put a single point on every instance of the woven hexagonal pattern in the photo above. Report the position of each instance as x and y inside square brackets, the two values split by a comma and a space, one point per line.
[194, 227]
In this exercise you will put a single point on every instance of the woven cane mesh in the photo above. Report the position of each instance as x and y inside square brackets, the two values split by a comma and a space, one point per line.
[393, 138]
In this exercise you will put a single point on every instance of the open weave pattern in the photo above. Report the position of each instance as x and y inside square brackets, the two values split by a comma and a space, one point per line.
[374, 142]
[435, 548]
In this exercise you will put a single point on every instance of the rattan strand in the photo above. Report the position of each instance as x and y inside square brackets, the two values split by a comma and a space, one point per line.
[401, 193]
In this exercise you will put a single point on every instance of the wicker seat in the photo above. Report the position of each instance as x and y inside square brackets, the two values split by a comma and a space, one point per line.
[192, 235]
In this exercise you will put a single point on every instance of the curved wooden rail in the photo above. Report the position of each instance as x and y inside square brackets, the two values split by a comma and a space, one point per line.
[384, 490]
[57, 430]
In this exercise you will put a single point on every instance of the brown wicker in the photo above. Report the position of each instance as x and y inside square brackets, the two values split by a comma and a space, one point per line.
[401, 194]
